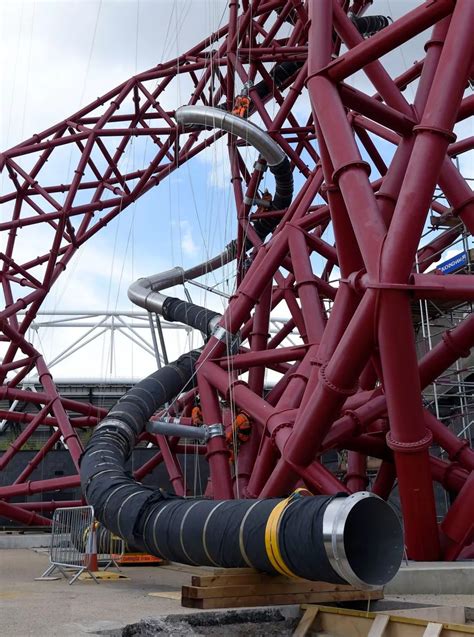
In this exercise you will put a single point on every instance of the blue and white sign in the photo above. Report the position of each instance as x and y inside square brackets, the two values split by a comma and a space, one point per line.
[453, 264]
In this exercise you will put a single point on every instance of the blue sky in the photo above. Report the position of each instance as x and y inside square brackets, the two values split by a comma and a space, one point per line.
[59, 55]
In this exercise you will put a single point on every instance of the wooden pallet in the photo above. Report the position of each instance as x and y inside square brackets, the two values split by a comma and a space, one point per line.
[342, 622]
[234, 588]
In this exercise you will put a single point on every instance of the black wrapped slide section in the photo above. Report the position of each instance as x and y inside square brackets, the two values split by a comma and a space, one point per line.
[200, 318]
[371, 24]
[355, 539]
[116, 497]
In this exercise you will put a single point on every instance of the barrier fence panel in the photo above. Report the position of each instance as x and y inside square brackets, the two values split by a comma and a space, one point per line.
[110, 547]
[73, 542]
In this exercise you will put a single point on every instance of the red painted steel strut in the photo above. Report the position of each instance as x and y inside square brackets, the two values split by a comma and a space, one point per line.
[352, 381]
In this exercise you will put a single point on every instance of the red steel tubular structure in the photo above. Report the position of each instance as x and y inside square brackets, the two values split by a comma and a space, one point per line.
[355, 383]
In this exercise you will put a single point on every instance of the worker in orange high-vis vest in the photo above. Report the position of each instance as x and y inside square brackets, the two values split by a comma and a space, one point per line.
[241, 106]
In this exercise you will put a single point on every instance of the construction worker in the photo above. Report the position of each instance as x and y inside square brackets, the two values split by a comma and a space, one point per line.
[241, 106]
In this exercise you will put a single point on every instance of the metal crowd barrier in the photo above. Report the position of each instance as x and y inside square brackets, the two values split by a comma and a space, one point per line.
[110, 547]
[79, 544]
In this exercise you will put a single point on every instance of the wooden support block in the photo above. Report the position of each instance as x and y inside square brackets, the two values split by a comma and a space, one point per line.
[264, 589]
[379, 625]
[238, 587]
[278, 599]
[261, 579]
[433, 630]
[306, 622]
[210, 571]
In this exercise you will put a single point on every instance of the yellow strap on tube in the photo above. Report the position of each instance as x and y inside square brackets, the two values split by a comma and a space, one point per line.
[271, 533]
[271, 538]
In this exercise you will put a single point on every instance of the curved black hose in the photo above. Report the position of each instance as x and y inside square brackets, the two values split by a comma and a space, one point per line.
[200, 318]
[280, 74]
[117, 498]
[281, 200]
[371, 24]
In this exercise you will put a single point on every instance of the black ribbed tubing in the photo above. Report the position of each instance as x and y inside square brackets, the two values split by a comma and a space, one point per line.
[231, 534]
[193, 315]
[119, 500]
[281, 199]
[368, 25]
[280, 74]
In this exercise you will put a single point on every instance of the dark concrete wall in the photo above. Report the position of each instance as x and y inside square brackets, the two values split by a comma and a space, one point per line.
[58, 464]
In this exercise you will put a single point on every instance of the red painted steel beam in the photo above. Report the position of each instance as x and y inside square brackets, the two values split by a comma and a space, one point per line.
[353, 382]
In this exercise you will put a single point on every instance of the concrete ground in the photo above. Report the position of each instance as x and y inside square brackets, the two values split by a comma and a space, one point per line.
[50, 608]
[439, 578]
[53, 608]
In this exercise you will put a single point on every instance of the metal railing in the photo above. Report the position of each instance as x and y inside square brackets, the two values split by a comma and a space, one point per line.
[78, 544]
[72, 540]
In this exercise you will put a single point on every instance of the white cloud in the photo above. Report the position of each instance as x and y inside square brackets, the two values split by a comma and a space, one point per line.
[188, 245]
[52, 63]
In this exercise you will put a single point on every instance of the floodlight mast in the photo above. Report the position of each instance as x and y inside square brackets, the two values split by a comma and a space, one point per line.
[355, 382]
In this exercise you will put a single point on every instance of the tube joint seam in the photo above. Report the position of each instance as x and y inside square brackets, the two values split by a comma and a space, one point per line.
[409, 447]
[450, 342]
[356, 163]
[343, 391]
[435, 130]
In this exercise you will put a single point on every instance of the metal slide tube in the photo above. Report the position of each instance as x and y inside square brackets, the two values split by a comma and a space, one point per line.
[210, 117]
[319, 538]
[163, 428]
[146, 292]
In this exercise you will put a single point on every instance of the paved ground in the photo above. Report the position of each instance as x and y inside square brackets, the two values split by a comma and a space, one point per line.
[47, 609]
[53, 608]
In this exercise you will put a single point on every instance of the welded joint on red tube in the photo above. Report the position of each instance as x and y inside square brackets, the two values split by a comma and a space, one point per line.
[350, 413]
[305, 281]
[231, 388]
[354, 474]
[447, 133]
[278, 428]
[386, 196]
[356, 163]
[433, 42]
[219, 449]
[451, 467]
[355, 281]
[461, 444]
[285, 417]
[360, 281]
[329, 187]
[248, 294]
[343, 391]
[410, 447]
[450, 342]
[325, 71]
[298, 374]
[259, 333]
[459, 208]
